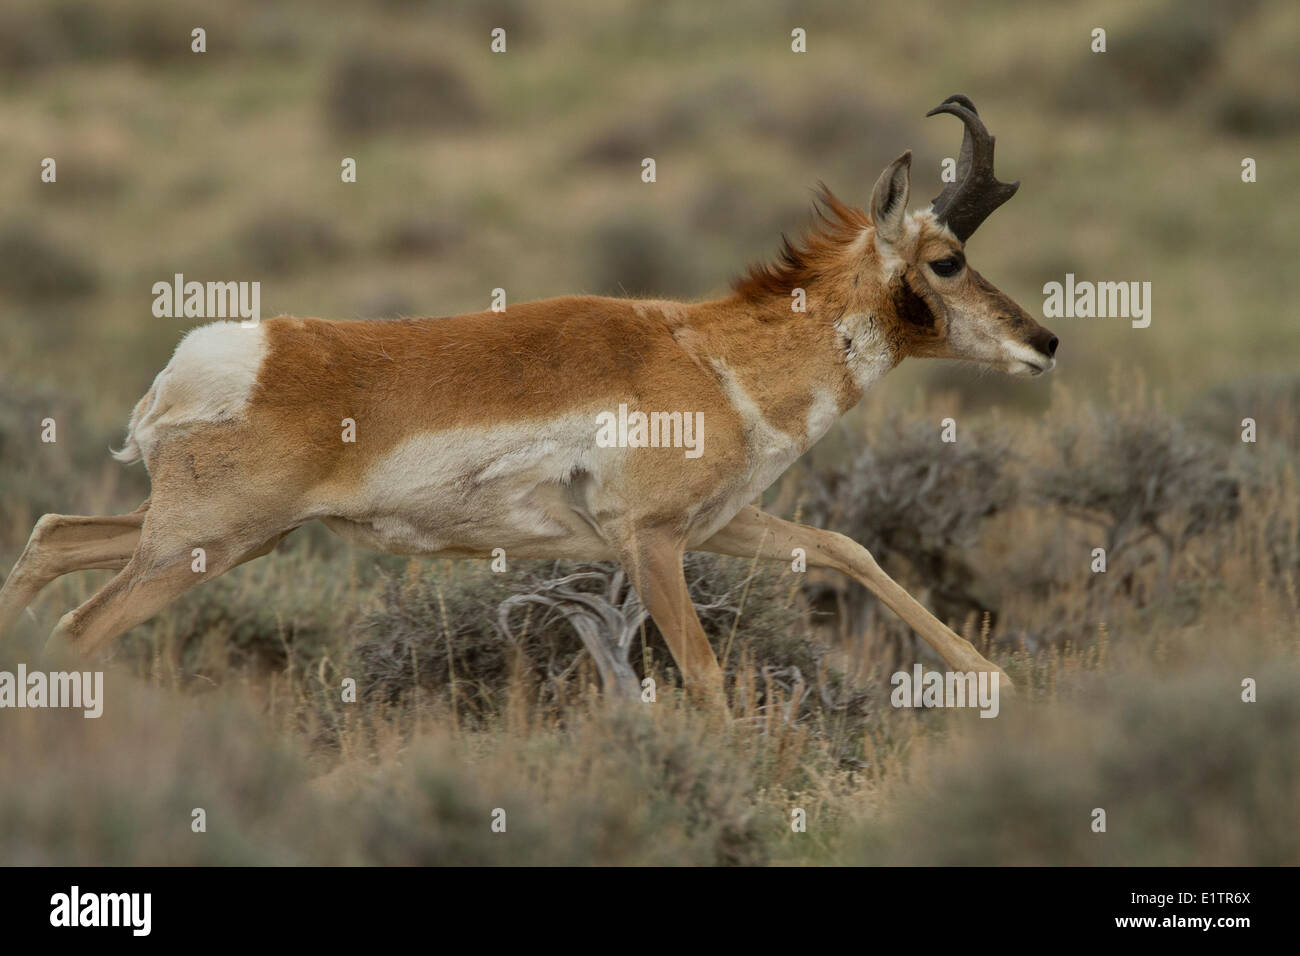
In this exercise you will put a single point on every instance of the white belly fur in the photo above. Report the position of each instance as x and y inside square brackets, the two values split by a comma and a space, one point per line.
[523, 487]
[535, 489]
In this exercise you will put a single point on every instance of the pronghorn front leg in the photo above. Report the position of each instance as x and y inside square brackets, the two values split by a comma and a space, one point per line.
[754, 532]
[653, 559]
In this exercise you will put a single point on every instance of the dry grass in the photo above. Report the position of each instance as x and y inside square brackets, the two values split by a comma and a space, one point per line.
[1131, 701]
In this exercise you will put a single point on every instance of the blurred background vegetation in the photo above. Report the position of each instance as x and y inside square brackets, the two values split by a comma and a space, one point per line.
[522, 171]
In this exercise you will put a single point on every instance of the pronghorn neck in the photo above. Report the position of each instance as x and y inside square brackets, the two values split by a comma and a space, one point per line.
[846, 280]
[798, 371]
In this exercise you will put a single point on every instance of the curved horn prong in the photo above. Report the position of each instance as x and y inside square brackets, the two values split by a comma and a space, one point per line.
[964, 204]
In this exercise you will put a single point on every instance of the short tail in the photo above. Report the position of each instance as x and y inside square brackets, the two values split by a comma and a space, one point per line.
[130, 451]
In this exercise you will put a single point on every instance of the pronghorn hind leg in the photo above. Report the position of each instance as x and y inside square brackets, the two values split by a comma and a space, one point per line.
[753, 532]
[60, 544]
[653, 561]
[153, 578]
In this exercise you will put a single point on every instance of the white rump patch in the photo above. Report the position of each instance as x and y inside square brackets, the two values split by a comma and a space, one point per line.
[209, 379]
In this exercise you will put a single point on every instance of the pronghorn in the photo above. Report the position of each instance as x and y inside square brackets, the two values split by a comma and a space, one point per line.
[479, 431]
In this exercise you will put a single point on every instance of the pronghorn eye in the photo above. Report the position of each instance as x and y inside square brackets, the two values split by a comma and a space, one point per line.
[946, 267]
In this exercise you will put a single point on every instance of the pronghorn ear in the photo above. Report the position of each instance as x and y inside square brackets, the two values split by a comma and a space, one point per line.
[889, 198]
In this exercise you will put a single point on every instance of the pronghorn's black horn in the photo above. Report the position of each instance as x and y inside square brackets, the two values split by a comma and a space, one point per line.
[966, 203]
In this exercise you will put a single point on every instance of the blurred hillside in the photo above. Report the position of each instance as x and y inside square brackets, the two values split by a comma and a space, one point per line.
[522, 170]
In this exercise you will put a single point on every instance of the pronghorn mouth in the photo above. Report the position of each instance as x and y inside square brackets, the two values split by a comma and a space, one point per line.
[1026, 360]
[1029, 368]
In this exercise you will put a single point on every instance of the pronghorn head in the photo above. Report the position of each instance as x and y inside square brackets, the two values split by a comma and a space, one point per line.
[942, 307]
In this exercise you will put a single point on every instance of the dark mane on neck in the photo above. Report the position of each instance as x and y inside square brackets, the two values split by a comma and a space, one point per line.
[835, 225]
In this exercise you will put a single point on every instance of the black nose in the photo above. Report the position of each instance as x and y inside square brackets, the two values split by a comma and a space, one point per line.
[1043, 340]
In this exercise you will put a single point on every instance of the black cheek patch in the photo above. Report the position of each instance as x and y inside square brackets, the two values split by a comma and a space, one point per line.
[911, 308]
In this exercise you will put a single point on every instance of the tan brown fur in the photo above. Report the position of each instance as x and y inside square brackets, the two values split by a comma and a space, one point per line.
[424, 393]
